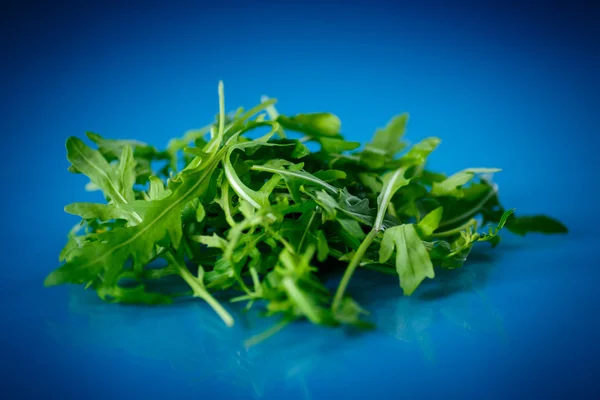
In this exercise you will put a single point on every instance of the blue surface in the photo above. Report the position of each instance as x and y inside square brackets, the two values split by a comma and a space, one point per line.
[510, 87]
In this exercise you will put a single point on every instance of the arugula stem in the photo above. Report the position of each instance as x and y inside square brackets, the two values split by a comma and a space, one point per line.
[471, 211]
[199, 290]
[216, 141]
[221, 109]
[242, 298]
[227, 205]
[254, 340]
[298, 175]
[256, 281]
[310, 221]
[386, 196]
[471, 223]
[360, 252]
[391, 186]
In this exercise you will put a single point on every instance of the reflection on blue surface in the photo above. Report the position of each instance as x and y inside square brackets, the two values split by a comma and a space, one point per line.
[467, 329]
[514, 87]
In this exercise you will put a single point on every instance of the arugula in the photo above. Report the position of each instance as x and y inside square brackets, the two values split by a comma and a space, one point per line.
[264, 221]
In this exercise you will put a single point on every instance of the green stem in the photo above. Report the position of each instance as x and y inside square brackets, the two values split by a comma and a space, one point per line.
[310, 221]
[199, 290]
[360, 252]
[458, 229]
[253, 341]
[221, 109]
[296, 174]
[395, 182]
[471, 211]
[256, 281]
[227, 205]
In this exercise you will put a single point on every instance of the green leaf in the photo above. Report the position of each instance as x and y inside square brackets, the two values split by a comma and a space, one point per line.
[143, 153]
[360, 210]
[453, 255]
[501, 223]
[412, 258]
[300, 150]
[200, 212]
[430, 222]
[335, 146]
[103, 212]
[386, 143]
[91, 163]
[451, 186]
[161, 225]
[157, 189]
[350, 232]
[371, 182]
[330, 175]
[270, 185]
[135, 295]
[392, 181]
[322, 246]
[256, 199]
[417, 155]
[351, 206]
[535, 223]
[213, 241]
[314, 124]
[112, 149]
[176, 145]
[389, 138]
[295, 177]
[126, 174]
[328, 203]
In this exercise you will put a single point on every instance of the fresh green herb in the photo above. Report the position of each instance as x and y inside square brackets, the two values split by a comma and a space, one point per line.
[263, 221]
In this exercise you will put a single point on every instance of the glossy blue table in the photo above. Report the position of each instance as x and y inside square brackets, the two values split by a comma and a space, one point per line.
[502, 88]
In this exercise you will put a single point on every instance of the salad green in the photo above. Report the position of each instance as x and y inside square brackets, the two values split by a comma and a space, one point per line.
[261, 220]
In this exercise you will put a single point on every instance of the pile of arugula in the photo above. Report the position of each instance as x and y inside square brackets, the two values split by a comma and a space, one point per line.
[261, 219]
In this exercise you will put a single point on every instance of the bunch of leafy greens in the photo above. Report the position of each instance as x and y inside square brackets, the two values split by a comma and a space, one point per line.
[261, 220]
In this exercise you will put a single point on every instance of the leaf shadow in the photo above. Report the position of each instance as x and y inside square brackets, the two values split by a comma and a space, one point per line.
[367, 287]
[472, 276]
[186, 334]
[454, 302]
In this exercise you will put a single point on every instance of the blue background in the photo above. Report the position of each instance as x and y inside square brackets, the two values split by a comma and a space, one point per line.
[504, 85]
